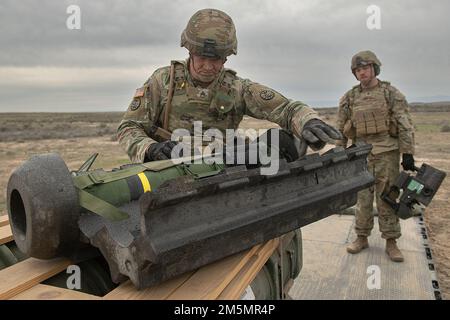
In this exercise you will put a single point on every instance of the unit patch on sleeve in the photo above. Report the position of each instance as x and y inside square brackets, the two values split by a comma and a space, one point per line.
[135, 104]
[267, 94]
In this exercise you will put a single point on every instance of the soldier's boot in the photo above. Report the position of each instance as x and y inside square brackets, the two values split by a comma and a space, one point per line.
[393, 251]
[358, 245]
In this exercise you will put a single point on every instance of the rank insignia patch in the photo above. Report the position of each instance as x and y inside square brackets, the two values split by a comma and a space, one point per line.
[203, 93]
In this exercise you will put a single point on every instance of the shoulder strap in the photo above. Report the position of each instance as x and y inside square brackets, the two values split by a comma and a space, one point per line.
[168, 105]
[176, 76]
[227, 81]
[180, 74]
[388, 94]
[94, 203]
[351, 95]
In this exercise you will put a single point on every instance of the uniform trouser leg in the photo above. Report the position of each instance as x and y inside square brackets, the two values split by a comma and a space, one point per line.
[364, 209]
[387, 170]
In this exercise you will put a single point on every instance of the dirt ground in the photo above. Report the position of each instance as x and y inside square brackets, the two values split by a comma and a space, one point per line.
[80, 135]
[433, 147]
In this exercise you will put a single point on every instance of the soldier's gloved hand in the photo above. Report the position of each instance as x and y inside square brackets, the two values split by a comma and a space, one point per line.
[317, 133]
[408, 162]
[160, 150]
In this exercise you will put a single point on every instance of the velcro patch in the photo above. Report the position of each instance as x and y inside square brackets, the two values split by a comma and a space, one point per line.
[135, 104]
[266, 94]
[139, 92]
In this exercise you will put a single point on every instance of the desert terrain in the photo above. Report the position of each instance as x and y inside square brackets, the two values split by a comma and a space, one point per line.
[75, 136]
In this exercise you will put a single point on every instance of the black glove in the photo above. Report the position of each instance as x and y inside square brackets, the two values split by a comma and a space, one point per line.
[160, 150]
[317, 133]
[408, 162]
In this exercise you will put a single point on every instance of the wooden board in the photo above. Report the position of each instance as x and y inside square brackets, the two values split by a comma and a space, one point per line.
[5, 234]
[28, 273]
[4, 221]
[246, 274]
[224, 279]
[46, 292]
[204, 283]
[127, 291]
[209, 281]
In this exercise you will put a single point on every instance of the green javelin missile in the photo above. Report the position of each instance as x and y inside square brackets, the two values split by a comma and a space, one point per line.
[101, 192]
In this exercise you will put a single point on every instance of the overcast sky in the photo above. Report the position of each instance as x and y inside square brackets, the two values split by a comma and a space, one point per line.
[300, 48]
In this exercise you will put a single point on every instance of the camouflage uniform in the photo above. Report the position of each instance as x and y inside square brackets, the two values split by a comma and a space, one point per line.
[222, 105]
[379, 116]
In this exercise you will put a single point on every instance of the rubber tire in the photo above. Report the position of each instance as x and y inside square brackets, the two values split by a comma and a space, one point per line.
[43, 208]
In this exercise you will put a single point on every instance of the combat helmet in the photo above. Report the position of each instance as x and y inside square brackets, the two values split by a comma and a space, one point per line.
[210, 33]
[364, 58]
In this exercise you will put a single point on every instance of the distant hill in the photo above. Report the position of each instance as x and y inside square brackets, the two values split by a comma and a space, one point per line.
[442, 106]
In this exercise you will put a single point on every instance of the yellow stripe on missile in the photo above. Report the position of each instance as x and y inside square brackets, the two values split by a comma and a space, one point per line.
[145, 183]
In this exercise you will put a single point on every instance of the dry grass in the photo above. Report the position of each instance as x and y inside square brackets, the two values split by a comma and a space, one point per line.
[19, 127]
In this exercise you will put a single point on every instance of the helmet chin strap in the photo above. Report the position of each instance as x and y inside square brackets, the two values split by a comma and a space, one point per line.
[372, 72]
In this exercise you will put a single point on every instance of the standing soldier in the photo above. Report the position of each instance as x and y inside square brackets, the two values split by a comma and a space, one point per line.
[377, 113]
[201, 89]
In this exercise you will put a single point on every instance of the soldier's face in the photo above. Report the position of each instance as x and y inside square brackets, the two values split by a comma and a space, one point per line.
[365, 73]
[205, 69]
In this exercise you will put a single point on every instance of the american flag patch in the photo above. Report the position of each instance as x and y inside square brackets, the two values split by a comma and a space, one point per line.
[139, 92]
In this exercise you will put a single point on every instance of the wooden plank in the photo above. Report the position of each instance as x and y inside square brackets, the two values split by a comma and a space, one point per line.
[46, 292]
[209, 281]
[5, 234]
[28, 273]
[127, 291]
[246, 275]
[220, 272]
[4, 220]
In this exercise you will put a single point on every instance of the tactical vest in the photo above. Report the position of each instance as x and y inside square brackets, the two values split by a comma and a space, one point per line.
[371, 112]
[215, 106]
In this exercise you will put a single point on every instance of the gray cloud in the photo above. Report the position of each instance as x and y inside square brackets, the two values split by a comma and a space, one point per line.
[301, 48]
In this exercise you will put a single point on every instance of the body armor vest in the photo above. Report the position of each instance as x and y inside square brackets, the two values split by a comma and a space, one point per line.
[215, 106]
[371, 118]
[370, 113]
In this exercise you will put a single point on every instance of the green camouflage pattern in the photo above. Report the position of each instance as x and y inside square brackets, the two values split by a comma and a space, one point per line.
[364, 58]
[210, 24]
[383, 99]
[385, 169]
[221, 105]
